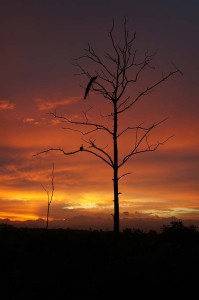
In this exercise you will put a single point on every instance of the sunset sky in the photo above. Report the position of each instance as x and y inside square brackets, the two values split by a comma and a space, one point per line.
[38, 40]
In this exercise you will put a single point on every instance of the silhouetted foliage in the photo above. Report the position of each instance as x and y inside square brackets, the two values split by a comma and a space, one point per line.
[179, 233]
[88, 264]
[4, 226]
[178, 226]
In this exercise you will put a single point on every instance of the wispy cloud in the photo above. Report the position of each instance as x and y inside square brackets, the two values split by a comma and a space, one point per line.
[55, 122]
[45, 104]
[28, 120]
[6, 104]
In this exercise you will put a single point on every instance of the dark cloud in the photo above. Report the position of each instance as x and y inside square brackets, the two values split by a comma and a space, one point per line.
[104, 223]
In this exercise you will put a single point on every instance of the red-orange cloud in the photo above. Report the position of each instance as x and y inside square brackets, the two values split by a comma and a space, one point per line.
[6, 104]
[45, 104]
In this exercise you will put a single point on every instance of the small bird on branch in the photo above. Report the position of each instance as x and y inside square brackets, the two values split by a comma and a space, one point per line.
[89, 86]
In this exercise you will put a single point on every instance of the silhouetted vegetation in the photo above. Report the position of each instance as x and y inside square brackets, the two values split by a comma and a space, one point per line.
[78, 264]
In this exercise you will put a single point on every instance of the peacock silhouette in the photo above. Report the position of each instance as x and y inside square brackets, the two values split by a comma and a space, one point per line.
[89, 86]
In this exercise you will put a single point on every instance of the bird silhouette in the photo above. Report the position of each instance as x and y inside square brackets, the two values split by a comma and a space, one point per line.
[89, 86]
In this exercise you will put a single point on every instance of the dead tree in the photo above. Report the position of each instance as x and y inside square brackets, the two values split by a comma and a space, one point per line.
[115, 71]
[49, 196]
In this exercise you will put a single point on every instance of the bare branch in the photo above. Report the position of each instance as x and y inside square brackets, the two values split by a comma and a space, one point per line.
[149, 89]
[144, 136]
[105, 78]
[91, 55]
[57, 149]
[74, 152]
[102, 90]
[47, 192]
[140, 127]
[117, 53]
[144, 64]
[123, 175]
[112, 39]
[67, 120]
[134, 128]
[83, 133]
[176, 68]
[83, 71]
[86, 112]
[99, 156]
[93, 145]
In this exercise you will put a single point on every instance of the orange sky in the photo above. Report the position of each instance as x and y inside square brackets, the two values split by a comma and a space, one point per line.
[36, 79]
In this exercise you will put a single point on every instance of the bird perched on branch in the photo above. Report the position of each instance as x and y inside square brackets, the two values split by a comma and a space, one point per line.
[89, 86]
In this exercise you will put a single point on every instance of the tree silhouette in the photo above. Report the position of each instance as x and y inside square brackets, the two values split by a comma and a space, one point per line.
[115, 72]
[49, 196]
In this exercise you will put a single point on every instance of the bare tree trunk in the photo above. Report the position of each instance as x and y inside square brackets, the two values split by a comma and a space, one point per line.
[49, 197]
[47, 216]
[115, 172]
[116, 202]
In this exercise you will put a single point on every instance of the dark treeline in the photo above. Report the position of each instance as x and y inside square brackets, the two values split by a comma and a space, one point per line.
[90, 264]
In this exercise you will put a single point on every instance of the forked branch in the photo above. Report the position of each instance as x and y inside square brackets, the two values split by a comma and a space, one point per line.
[81, 149]
[146, 91]
[144, 137]
[83, 123]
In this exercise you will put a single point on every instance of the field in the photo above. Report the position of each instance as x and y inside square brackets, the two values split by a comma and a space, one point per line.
[77, 264]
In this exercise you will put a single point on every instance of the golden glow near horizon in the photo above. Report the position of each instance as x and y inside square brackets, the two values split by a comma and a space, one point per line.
[160, 184]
